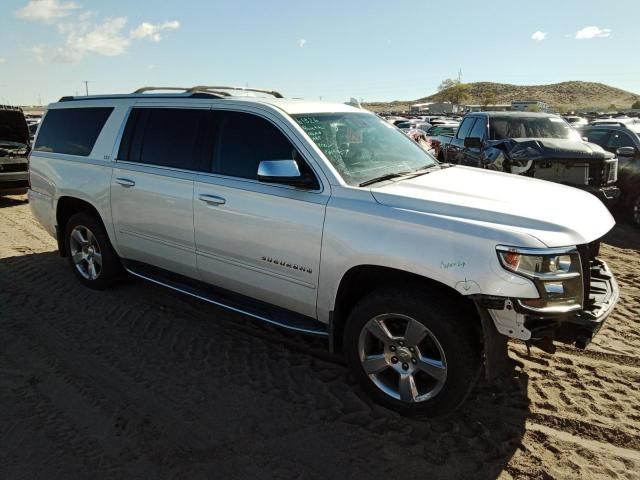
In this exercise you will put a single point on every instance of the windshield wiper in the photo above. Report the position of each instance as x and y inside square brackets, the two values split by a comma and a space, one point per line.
[382, 178]
[389, 176]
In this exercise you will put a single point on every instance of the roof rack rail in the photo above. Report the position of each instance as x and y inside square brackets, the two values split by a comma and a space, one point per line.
[216, 89]
[150, 89]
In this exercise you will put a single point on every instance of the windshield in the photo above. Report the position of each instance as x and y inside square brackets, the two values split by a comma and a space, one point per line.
[530, 127]
[361, 146]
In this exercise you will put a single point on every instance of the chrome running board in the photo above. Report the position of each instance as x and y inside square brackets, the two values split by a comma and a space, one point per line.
[228, 300]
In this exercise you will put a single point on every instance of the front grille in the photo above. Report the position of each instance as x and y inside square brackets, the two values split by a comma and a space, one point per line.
[13, 167]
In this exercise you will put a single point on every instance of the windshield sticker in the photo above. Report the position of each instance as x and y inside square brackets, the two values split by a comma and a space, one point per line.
[354, 136]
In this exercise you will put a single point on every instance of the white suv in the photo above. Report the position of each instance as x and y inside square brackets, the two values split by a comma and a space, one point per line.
[327, 220]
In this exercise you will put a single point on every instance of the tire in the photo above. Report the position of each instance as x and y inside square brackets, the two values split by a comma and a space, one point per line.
[87, 243]
[635, 211]
[444, 365]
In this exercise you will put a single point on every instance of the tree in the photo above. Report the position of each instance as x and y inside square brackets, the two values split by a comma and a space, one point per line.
[613, 107]
[534, 108]
[489, 98]
[453, 91]
[636, 105]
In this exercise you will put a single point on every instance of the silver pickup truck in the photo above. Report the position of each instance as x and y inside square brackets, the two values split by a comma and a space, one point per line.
[326, 220]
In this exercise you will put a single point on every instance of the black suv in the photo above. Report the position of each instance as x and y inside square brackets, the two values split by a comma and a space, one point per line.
[538, 145]
[14, 149]
[624, 140]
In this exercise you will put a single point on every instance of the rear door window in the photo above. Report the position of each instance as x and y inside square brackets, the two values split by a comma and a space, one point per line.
[72, 131]
[167, 137]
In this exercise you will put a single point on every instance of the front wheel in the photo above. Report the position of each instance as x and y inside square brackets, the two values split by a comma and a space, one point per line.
[414, 354]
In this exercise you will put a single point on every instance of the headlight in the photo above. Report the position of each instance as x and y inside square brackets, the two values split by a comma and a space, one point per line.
[557, 274]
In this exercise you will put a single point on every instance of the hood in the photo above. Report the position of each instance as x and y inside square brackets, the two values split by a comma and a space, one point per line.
[549, 148]
[555, 214]
[13, 127]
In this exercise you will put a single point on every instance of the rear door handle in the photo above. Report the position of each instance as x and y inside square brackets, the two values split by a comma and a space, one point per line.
[212, 199]
[125, 182]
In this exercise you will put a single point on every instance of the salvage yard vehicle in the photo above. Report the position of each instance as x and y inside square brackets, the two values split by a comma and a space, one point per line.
[14, 148]
[623, 139]
[325, 220]
[538, 145]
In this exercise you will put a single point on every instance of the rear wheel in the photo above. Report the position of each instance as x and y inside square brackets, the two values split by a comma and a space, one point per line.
[414, 354]
[91, 256]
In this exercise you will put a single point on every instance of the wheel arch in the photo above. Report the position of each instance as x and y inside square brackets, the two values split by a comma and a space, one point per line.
[66, 207]
[362, 279]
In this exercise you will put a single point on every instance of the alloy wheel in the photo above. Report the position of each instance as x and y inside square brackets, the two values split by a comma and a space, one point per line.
[402, 357]
[85, 252]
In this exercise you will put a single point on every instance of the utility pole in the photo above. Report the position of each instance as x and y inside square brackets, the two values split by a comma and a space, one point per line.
[86, 87]
[460, 75]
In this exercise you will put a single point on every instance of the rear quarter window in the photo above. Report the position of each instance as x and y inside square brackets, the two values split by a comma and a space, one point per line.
[71, 131]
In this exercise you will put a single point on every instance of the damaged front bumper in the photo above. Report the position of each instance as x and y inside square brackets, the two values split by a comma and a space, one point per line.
[609, 196]
[578, 327]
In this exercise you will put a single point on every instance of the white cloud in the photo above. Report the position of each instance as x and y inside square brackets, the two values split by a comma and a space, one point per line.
[46, 11]
[3, 60]
[539, 36]
[151, 31]
[83, 38]
[83, 33]
[302, 42]
[592, 32]
[37, 53]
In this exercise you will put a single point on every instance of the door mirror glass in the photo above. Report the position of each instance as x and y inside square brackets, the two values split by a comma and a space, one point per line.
[282, 171]
[472, 142]
[626, 152]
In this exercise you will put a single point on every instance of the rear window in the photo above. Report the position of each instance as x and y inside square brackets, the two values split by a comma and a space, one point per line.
[72, 131]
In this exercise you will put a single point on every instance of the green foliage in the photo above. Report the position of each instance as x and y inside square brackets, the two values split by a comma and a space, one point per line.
[488, 98]
[636, 105]
[453, 91]
[613, 106]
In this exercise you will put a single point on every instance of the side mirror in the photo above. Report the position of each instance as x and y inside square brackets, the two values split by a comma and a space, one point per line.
[285, 172]
[626, 152]
[473, 142]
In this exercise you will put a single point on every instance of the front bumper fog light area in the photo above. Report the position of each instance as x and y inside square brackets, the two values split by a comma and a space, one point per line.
[556, 273]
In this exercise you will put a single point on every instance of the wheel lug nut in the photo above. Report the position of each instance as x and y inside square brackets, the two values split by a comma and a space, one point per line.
[414, 361]
[405, 366]
[401, 344]
[411, 349]
[394, 359]
[392, 348]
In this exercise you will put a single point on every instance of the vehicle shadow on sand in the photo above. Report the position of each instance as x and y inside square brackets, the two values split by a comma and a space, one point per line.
[623, 235]
[138, 381]
[12, 201]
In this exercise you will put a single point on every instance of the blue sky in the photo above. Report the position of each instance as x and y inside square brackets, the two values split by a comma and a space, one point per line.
[375, 50]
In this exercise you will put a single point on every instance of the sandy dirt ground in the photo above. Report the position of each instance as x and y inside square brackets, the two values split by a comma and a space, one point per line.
[142, 383]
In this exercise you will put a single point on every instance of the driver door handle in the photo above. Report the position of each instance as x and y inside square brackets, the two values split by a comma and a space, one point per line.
[212, 199]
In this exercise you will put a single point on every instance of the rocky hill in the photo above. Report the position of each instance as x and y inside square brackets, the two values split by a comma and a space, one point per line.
[572, 95]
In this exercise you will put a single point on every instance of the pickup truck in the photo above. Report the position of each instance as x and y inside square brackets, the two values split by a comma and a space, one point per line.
[537, 145]
[325, 220]
[14, 148]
